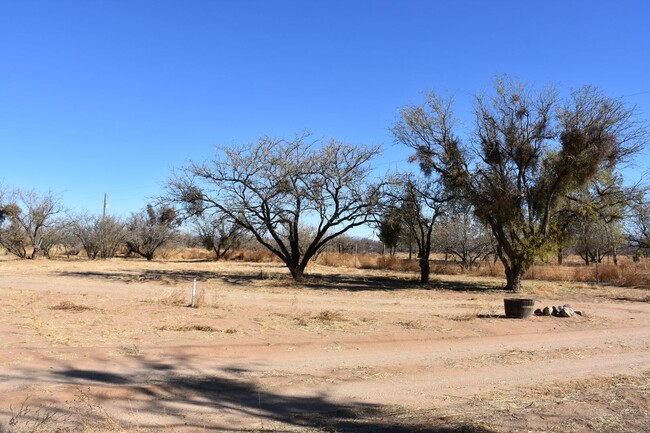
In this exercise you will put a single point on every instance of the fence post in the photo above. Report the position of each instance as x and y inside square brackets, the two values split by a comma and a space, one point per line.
[194, 294]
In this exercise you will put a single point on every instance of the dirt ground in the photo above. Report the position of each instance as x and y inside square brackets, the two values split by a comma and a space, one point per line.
[112, 346]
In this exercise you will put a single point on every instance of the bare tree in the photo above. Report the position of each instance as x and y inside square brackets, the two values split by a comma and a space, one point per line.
[529, 151]
[100, 237]
[55, 237]
[150, 229]
[419, 203]
[26, 217]
[274, 188]
[67, 241]
[218, 233]
[638, 230]
[595, 214]
[460, 234]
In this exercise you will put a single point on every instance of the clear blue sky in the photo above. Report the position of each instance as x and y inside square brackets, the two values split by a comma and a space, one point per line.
[109, 96]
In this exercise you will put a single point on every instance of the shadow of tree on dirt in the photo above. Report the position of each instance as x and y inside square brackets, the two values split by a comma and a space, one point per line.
[316, 281]
[315, 413]
[164, 389]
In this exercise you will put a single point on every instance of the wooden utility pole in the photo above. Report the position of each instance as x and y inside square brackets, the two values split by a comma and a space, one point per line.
[102, 250]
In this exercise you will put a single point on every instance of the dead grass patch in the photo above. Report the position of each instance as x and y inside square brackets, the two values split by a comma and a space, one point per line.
[132, 350]
[196, 327]
[70, 306]
[602, 405]
[188, 328]
[362, 372]
[171, 297]
[411, 324]
[327, 316]
[325, 321]
[368, 261]
[82, 414]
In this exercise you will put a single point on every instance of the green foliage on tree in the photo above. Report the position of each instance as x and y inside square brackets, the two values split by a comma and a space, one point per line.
[528, 150]
[595, 216]
[390, 230]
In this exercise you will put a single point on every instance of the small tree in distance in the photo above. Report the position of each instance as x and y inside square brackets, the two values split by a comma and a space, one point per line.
[275, 188]
[25, 218]
[150, 229]
[418, 203]
[460, 234]
[100, 237]
[390, 230]
[218, 233]
[529, 151]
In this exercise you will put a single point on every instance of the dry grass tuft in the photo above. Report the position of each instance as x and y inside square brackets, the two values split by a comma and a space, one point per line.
[411, 324]
[198, 328]
[38, 419]
[70, 306]
[328, 316]
[82, 414]
[172, 297]
[188, 328]
[325, 318]
[368, 261]
[624, 275]
[599, 404]
[132, 350]
[255, 256]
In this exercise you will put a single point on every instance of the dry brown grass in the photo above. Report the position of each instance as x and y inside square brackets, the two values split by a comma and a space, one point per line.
[328, 316]
[600, 404]
[627, 274]
[172, 297]
[188, 328]
[82, 415]
[411, 324]
[397, 310]
[255, 256]
[70, 306]
[368, 261]
[325, 318]
[624, 275]
[196, 327]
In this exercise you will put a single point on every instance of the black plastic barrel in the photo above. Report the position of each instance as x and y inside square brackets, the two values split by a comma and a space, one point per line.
[518, 308]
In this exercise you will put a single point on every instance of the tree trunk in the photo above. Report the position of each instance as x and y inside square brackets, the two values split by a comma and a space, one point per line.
[35, 253]
[560, 256]
[297, 272]
[425, 269]
[513, 278]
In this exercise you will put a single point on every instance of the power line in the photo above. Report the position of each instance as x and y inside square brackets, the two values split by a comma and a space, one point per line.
[636, 94]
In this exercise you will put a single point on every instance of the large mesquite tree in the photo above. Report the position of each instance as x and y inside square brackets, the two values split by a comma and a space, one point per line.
[280, 191]
[526, 152]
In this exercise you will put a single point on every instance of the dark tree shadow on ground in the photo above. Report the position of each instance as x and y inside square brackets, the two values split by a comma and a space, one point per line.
[243, 398]
[352, 283]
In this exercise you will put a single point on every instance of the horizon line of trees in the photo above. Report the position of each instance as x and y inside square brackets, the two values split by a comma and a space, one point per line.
[457, 233]
[537, 175]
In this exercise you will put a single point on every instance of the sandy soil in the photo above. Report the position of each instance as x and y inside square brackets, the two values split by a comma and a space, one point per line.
[112, 346]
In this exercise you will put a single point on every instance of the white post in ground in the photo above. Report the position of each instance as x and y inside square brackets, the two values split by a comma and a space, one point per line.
[194, 294]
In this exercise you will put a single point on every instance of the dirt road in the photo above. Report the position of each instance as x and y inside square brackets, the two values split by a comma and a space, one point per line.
[113, 345]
